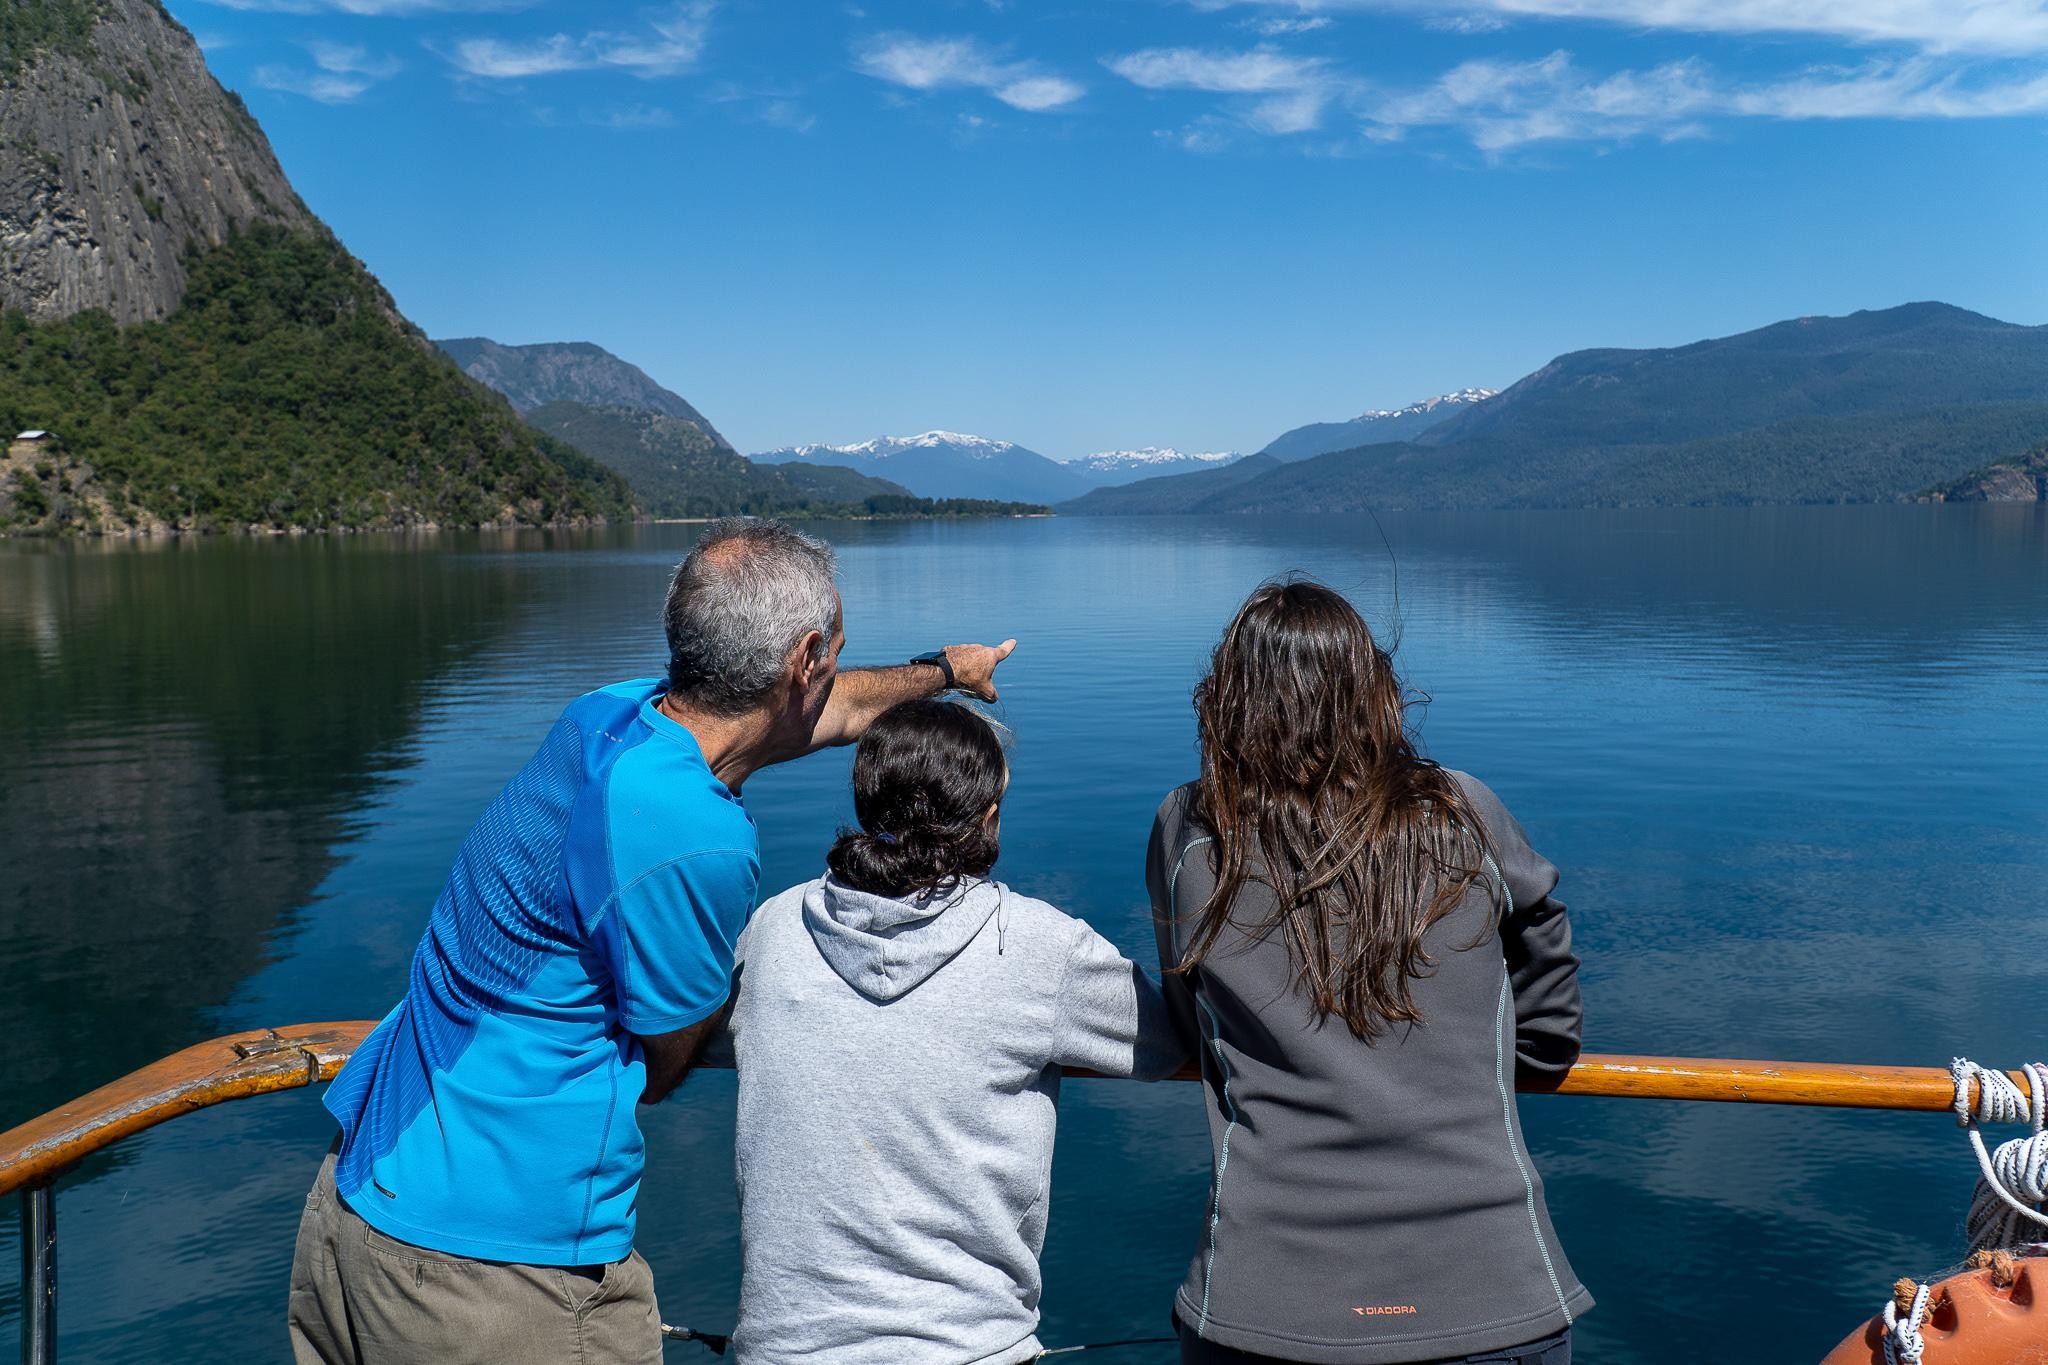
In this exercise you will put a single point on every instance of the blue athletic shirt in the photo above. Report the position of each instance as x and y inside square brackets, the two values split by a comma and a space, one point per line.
[491, 1114]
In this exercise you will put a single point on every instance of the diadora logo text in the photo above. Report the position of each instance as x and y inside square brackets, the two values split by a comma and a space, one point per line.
[1386, 1310]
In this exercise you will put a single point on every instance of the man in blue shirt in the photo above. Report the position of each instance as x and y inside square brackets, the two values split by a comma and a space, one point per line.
[479, 1203]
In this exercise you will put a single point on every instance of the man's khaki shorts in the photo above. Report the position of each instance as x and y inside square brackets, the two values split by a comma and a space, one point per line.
[361, 1298]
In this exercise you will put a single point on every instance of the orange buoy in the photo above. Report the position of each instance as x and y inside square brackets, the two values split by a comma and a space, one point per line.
[1996, 1314]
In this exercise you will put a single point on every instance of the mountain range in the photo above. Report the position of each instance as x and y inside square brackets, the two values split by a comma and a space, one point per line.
[1876, 406]
[207, 354]
[678, 471]
[573, 372]
[947, 464]
[1373, 426]
[676, 463]
[1108, 467]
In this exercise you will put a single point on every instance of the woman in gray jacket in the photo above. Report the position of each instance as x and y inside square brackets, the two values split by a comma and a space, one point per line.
[1370, 952]
[899, 1027]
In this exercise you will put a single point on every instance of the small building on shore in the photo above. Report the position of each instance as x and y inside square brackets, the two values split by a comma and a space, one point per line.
[29, 443]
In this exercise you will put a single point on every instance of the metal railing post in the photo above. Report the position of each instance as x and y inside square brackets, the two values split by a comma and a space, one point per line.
[39, 1275]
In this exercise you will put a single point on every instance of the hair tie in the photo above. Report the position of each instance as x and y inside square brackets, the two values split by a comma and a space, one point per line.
[886, 837]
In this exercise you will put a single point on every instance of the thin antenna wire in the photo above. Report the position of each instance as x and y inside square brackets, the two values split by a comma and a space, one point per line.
[1394, 565]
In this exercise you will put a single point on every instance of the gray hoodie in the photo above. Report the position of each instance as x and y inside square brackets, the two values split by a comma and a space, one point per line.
[899, 1079]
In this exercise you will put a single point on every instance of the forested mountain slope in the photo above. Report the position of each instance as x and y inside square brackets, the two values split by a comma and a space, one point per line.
[569, 372]
[206, 354]
[1873, 407]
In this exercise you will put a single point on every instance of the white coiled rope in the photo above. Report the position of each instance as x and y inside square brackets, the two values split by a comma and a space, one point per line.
[1903, 1344]
[2011, 1190]
[2014, 1184]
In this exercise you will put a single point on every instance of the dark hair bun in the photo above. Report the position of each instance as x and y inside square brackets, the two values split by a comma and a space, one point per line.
[924, 778]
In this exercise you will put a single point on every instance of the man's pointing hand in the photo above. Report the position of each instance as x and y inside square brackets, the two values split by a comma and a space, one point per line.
[974, 667]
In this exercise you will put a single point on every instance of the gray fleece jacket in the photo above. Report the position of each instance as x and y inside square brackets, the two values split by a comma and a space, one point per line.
[1375, 1203]
[898, 1085]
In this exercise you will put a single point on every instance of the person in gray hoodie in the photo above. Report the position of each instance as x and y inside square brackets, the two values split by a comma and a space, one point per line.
[899, 1026]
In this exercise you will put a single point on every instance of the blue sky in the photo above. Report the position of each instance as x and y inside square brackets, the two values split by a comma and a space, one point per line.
[1131, 222]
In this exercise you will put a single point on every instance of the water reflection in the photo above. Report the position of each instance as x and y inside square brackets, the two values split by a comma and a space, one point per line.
[189, 731]
[1788, 758]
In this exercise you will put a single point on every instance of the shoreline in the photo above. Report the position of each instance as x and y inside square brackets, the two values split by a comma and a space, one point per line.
[145, 533]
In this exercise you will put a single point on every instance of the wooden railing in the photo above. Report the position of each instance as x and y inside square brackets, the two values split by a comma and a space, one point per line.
[205, 1074]
[239, 1065]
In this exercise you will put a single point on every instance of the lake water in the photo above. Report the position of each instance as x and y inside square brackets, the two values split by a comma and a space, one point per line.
[1790, 761]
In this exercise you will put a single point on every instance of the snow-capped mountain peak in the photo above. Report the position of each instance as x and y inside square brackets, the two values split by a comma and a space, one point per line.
[881, 447]
[947, 464]
[1147, 456]
[1462, 396]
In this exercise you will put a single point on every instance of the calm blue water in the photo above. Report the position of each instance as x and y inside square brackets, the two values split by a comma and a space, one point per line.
[1790, 762]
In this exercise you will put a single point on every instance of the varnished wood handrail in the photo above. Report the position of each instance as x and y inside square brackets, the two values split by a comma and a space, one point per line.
[229, 1068]
[264, 1060]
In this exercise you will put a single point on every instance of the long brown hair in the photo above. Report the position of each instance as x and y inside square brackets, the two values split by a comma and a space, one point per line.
[1312, 787]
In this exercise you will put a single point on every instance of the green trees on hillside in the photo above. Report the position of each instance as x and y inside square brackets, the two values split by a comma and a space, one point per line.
[286, 391]
[31, 26]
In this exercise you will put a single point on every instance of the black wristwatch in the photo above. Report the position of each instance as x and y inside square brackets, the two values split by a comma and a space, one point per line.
[945, 665]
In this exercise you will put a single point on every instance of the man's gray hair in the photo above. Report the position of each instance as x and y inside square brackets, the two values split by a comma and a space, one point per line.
[740, 600]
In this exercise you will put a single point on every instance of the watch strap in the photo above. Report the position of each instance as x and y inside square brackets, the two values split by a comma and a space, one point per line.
[945, 665]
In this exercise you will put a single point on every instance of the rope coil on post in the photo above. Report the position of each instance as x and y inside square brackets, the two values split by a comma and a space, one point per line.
[2013, 1184]
[2009, 1198]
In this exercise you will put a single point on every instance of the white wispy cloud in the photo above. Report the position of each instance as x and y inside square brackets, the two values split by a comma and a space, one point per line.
[778, 106]
[1501, 105]
[963, 63]
[352, 59]
[635, 116]
[1187, 68]
[376, 7]
[618, 117]
[342, 73]
[313, 85]
[788, 114]
[2011, 27]
[1465, 23]
[1280, 26]
[672, 41]
[1292, 90]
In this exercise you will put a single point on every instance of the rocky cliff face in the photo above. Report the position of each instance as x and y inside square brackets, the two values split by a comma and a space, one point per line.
[131, 184]
[2021, 480]
[570, 372]
[118, 153]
